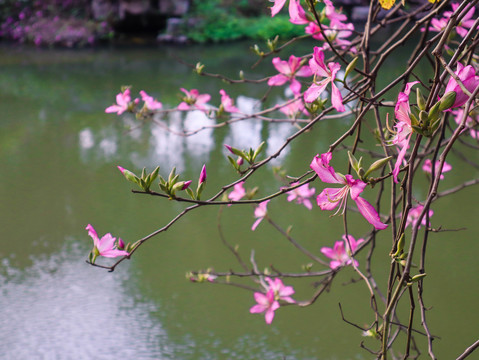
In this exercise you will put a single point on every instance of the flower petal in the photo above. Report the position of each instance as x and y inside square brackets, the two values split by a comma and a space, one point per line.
[370, 214]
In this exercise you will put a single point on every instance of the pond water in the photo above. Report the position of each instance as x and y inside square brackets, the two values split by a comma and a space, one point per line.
[58, 158]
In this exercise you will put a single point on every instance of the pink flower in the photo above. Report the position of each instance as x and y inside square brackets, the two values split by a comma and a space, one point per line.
[260, 213]
[413, 216]
[194, 99]
[403, 127]
[342, 251]
[319, 68]
[278, 5]
[331, 13]
[150, 102]
[123, 100]
[427, 167]
[238, 192]
[330, 198]
[296, 12]
[467, 75]
[301, 195]
[467, 21]
[281, 292]
[106, 245]
[227, 102]
[288, 70]
[265, 303]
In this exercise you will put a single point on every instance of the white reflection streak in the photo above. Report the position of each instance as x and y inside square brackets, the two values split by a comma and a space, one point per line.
[63, 309]
[246, 133]
[277, 136]
[85, 138]
[168, 150]
[201, 144]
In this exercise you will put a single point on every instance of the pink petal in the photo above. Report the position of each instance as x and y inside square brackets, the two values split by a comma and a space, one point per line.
[282, 66]
[304, 71]
[369, 213]
[400, 159]
[337, 99]
[92, 233]
[326, 173]
[315, 90]
[329, 198]
[278, 80]
[278, 5]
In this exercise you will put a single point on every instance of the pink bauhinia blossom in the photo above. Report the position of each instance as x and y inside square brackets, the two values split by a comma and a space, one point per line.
[466, 22]
[301, 195]
[296, 12]
[467, 75]
[260, 213]
[150, 102]
[106, 245]
[194, 99]
[403, 127]
[238, 192]
[281, 292]
[328, 72]
[288, 70]
[342, 251]
[227, 102]
[265, 303]
[413, 216]
[123, 100]
[427, 167]
[330, 198]
[336, 33]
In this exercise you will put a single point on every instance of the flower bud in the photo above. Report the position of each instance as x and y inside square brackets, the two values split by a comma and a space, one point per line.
[447, 100]
[202, 175]
[351, 66]
[186, 184]
[378, 164]
[421, 103]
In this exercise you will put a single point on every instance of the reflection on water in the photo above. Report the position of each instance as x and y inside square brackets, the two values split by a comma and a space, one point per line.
[58, 157]
[168, 148]
[61, 309]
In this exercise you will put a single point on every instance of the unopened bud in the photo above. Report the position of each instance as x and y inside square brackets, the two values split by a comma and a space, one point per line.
[378, 164]
[202, 175]
[447, 100]
[186, 184]
[434, 112]
[351, 66]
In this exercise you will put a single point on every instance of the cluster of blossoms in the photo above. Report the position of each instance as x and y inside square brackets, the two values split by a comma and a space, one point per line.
[466, 23]
[336, 32]
[342, 252]
[268, 302]
[192, 100]
[325, 76]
